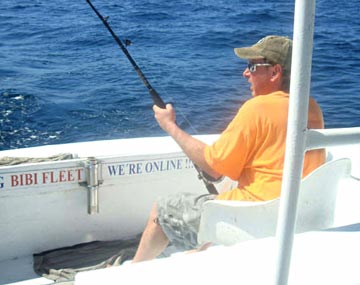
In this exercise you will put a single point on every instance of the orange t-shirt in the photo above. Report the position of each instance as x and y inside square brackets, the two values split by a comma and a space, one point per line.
[252, 148]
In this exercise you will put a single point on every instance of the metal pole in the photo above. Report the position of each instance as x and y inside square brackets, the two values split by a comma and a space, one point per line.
[332, 137]
[93, 183]
[296, 135]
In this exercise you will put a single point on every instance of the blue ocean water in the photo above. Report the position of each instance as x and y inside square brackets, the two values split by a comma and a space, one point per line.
[63, 78]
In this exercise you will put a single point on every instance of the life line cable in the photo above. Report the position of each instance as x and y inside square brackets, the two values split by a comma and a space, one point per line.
[207, 179]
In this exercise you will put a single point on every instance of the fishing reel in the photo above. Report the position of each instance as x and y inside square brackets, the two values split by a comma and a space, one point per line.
[202, 175]
[208, 180]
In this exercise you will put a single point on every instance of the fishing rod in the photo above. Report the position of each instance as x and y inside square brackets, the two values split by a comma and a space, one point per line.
[207, 179]
[154, 95]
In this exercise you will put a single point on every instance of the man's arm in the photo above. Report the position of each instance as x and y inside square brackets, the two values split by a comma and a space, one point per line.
[191, 146]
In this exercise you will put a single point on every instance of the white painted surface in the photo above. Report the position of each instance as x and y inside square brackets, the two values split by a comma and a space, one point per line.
[42, 217]
[318, 258]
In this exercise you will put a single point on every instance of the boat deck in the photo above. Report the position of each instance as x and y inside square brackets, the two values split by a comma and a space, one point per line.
[315, 260]
[318, 258]
[15, 270]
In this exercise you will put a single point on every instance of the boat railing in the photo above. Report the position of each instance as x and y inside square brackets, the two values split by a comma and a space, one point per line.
[332, 137]
[299, 139]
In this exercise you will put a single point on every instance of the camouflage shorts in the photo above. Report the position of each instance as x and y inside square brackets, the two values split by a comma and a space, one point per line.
[179, 216]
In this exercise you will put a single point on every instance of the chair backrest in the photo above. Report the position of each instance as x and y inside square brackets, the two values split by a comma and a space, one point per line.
[317, 197]
[228, 222]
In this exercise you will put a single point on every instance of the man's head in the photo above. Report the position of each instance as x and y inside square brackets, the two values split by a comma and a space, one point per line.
[270, 51]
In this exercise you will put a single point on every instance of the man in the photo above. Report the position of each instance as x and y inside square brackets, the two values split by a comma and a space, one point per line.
[251, 149]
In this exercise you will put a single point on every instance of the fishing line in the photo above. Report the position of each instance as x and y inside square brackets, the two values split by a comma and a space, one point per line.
[173, 101]
[154, 95]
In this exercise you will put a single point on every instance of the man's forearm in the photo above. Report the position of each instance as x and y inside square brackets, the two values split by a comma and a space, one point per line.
[192, 147]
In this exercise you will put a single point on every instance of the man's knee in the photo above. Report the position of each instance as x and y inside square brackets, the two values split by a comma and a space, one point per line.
[154, 215]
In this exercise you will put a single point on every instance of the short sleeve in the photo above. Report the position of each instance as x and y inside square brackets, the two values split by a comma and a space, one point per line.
[229, 154]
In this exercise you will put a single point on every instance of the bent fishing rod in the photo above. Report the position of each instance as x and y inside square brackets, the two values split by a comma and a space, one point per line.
[207, 179]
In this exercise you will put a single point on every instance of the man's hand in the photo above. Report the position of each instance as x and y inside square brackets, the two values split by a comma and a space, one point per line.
[166, 118]
[192, 147]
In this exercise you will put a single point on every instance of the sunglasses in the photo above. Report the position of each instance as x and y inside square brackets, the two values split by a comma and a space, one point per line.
[252, 66]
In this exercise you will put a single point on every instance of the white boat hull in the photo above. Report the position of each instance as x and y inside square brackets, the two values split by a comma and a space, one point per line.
[45, 205]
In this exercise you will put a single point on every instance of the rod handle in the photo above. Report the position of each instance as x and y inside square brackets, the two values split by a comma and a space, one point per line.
[157, 99]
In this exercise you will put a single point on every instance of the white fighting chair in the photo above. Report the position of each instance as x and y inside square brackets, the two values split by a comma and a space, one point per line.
[229, 222]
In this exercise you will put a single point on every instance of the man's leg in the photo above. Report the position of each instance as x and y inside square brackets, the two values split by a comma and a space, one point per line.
[153, 240]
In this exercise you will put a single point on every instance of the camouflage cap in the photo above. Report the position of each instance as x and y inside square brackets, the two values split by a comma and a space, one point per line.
[276, 49]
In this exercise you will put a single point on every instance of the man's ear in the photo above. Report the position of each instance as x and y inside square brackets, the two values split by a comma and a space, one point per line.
[277, 71]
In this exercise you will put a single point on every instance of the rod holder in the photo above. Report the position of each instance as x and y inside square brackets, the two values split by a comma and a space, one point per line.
[93, 179]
